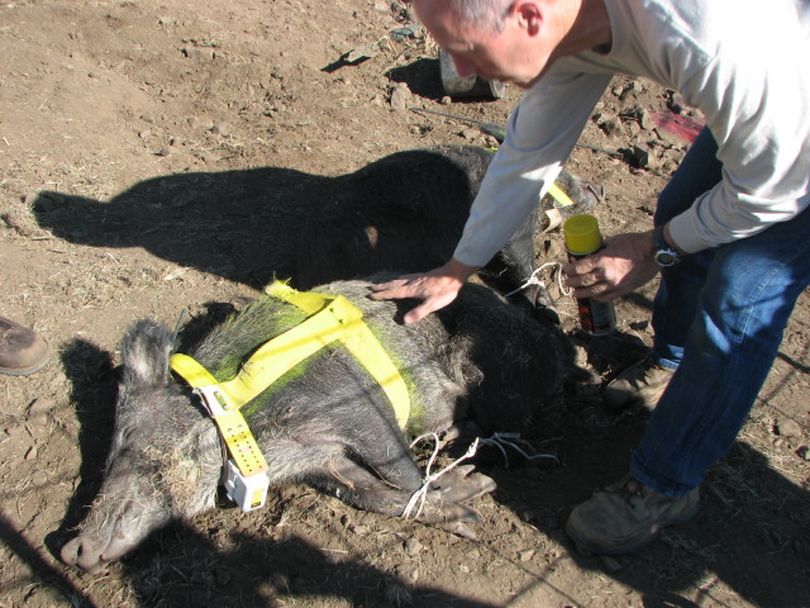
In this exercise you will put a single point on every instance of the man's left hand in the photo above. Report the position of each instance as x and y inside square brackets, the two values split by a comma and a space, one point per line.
[622, 265]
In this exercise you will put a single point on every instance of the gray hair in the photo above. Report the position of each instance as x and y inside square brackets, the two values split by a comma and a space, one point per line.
[487, 15]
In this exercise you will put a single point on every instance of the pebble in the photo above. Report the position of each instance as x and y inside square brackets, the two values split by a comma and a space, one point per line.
[446, 101]
[400, 96]
[470, 134]
[39, 409]
[527, 555]
[413, 547]
[221, 128]
[611, 564]
[39, 478]
[787, 427]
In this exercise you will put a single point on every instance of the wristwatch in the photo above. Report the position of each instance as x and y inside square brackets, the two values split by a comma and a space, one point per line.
[665, 256]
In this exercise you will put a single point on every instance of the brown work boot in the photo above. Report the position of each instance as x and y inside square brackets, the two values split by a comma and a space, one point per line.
[22, 352]
[625, 517]
[643, 382]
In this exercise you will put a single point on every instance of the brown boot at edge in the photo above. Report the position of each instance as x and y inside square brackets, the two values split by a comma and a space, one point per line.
[22, 351]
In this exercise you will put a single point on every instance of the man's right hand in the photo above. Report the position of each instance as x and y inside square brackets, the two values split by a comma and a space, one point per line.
[436, 288]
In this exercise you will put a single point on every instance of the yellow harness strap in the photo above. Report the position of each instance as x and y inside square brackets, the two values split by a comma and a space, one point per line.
[343, 321]
[331, 318]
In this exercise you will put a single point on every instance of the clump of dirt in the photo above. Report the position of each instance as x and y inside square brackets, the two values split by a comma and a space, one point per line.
[148, 103]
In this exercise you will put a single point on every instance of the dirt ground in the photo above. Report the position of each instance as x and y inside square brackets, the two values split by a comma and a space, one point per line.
[119, 111]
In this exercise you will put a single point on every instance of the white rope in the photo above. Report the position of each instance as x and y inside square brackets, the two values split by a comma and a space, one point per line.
[512, 440]
[533, 280]
[501, 441]
[420, 495]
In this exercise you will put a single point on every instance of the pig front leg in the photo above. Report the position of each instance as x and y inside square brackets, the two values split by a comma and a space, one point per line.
[327, 467]
[443, 502]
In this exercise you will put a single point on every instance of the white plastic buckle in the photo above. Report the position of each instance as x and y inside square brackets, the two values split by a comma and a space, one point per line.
[248, 492]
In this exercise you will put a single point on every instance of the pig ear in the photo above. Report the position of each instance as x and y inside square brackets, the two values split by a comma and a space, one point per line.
[145, 352]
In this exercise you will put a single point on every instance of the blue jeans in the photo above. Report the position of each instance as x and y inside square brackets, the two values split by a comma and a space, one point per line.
[718, 318]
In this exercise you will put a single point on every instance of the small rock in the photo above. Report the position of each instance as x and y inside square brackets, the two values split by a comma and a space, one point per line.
[640, 157]
[629, 88]
[610, 125]
[528, 515]
[786, 427]
[470, 134]
[400, 97]
[526, 555]
[413, 547]
[611, 564]
[39, 478]
[804, 453]
[221, 128]
[39, 409]
[32, 453]
[199, 54]
[645, 120]
[446, 101]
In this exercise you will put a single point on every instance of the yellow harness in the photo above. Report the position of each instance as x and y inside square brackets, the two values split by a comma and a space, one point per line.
[330, 318]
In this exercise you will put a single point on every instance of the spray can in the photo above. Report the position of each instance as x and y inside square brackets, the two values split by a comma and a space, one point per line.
[582, 238]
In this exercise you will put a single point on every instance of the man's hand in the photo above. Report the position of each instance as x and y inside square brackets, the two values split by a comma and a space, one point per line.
[624, 264]
[436, 288]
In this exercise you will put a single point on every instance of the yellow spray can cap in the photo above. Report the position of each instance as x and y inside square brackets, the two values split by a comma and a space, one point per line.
[582, 235]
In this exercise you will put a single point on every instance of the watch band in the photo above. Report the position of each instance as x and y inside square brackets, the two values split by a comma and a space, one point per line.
[664, 255]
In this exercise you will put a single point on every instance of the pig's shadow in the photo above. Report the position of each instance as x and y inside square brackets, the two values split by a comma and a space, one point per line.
[254, 225]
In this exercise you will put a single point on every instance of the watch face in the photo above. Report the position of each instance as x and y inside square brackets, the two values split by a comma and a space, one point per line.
[666, 258]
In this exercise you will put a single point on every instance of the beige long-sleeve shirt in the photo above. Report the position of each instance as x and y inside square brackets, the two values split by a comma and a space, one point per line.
[744, 64]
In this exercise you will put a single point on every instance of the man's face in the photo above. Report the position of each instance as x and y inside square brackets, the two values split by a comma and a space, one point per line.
[511, 55]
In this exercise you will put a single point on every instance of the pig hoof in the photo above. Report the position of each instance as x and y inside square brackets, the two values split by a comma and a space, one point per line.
[462, 485]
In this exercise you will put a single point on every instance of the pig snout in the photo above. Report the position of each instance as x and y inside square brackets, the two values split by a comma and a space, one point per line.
[85, 553]
[97, 545]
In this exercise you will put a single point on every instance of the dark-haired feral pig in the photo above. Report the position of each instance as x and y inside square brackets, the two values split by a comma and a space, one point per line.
[326, 421]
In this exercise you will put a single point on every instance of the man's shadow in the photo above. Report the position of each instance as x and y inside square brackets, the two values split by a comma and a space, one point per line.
[185, 568]
[404, 212]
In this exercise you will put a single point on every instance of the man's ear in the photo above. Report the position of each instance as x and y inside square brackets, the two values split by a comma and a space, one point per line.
[529, 15]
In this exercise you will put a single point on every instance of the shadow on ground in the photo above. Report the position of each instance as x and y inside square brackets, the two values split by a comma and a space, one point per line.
[752, 533]
[252, 226]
